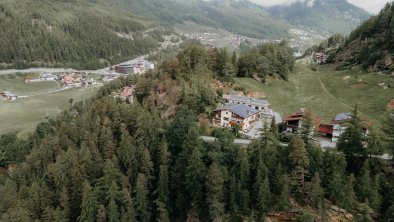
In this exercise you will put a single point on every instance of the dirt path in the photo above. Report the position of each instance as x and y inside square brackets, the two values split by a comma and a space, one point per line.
[330, 94]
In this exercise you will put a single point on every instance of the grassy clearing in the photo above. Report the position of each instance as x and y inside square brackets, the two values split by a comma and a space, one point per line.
[15, 84]
[24, 114]
[326, 92]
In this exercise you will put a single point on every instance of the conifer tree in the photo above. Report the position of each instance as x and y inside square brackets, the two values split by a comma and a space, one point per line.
[214, 186]
[307, 129]
[88, 205]
[263, 198]
[374, 144]
[375, 198]
[162, 188]
[349, 196]
[351, 142]
[365, 183]
[299, 159]
[274, 128]
[388, 130]
[194, 170]
[128, 211]
[335, 188]
[101, 214]
[365, 214]
[316, 192]
[112, 207]
[142, 204]
[284, 197]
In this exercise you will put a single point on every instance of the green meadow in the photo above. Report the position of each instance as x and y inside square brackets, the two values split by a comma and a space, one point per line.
[327, 91]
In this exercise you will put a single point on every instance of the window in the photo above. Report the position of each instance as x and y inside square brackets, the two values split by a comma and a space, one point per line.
[225, 119]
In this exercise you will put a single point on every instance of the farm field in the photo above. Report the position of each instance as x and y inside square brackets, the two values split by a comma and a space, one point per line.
[327, 92]
[22, 115]
[16, 85]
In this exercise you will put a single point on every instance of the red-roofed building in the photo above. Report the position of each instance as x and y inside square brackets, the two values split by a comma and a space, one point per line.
[294, 121]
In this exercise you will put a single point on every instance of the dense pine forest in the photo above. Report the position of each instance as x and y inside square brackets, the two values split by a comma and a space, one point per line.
[109, 160]
[82, 34]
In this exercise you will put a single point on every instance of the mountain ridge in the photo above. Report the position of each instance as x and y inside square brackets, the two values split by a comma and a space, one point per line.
[313, 15]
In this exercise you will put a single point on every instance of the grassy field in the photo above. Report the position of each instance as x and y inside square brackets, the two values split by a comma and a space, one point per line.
[326, 91]
[23, 114]
[15, 84]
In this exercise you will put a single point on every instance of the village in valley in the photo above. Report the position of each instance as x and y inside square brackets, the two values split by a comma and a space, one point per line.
[248, 114]
[83, 79]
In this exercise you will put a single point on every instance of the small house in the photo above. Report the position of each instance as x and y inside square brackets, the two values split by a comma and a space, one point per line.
[6, 95]
[294, 121]
[230, 114]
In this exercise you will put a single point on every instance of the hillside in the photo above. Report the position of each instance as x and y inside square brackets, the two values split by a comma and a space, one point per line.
[326, 91]
[324, 16]
[240, 17]
[111, 160]
[371, 44]
[82, 34]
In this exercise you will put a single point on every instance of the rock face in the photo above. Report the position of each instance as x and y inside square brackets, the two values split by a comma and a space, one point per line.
[390, 106]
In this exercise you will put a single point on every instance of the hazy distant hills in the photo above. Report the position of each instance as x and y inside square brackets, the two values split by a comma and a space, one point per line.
[244, 17]
[240, 17]
[323, 16]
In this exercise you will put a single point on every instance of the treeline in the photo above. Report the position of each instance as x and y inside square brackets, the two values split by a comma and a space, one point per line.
[266, 60]
[82, 35]
[108, 160]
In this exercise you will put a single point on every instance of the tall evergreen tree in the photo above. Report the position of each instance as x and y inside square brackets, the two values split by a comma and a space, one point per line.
[142, 204]
[283, 201]
[299, 159]
[88, 205]
[316, 193]
[349, 196]
[214, 184]
[388, 130]
[162, 188]
[351, 142]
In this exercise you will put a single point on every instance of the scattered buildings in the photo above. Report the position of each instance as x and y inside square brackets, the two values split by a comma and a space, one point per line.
[136, 68]
[320, 57]
[338, 125]
[46, 76]
[126, 93]
[70, 80]
[6, 95]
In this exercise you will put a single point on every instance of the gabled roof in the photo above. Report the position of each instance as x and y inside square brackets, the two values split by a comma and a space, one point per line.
[300, 115]
[246, 99]
[343, 116]
[241, 110]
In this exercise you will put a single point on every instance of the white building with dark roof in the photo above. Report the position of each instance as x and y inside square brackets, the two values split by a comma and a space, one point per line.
[258, 104]
[231, 114]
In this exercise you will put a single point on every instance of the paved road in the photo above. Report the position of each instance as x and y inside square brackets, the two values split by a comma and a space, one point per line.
[236, 141]
[247, 142]
[42, 70]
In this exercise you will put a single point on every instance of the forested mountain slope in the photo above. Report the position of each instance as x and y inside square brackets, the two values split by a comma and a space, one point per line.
[323, 16]
[371, 44]
[82, 34]
[240, 17]
[109, 160]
